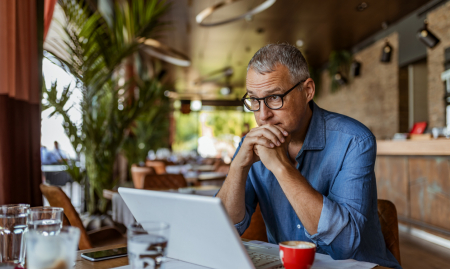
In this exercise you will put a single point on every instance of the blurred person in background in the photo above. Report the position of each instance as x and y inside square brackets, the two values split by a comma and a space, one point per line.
[59, 154]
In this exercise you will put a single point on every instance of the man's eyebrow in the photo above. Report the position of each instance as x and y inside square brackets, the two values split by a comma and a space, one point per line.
[268, 92]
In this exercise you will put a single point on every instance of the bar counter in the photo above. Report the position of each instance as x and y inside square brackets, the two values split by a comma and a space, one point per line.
[415, 176]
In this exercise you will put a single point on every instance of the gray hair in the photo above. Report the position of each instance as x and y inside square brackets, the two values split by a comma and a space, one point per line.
[268, 57]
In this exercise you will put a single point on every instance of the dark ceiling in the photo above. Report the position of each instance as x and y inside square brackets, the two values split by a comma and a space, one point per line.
[323, 25]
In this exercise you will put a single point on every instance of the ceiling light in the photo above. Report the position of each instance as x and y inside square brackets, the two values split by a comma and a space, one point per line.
[225, 90]
[386, 53]
[427, 37]
[339, 78]
[299, 43]
[196, 105]
[209, 10]
[177, 104]
[362, 6]
[163, 52]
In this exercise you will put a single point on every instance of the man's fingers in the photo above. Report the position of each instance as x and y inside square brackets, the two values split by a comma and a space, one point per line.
[285, 133]
[268, 134]
[262, 141]
[278, 131]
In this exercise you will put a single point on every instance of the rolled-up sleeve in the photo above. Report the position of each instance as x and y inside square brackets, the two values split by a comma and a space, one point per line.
[250, 206]
[250, 200]
[350, 201]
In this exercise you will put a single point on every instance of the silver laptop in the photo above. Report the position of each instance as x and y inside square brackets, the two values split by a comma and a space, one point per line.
[200, 230]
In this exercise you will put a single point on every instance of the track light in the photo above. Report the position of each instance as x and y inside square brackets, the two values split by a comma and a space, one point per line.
[355, 68]
[340, 79]
[386, 53]
[427, 37]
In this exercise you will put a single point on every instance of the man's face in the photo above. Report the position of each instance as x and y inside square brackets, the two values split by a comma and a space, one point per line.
[290, 116]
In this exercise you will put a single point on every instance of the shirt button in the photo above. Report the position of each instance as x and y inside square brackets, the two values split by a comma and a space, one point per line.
[298, 226]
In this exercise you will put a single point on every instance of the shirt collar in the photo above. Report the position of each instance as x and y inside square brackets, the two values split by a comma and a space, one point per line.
[315, 136]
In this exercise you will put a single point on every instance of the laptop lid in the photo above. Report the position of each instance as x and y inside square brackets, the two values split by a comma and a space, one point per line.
[200, 230]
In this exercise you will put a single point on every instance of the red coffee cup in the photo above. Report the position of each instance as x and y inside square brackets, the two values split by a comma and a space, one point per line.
[297, 254]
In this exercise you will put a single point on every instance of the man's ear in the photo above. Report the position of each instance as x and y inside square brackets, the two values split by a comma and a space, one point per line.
[310, 89]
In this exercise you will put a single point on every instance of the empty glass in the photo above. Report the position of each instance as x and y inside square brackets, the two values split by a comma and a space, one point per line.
[147, 244]
[46, 219]
[13, 226]
[57, 251]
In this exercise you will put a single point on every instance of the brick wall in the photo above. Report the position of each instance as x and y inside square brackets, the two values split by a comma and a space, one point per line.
[439, 24]
[373, 97]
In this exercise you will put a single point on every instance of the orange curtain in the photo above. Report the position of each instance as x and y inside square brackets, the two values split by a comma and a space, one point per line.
[20, 68]
[49, 7]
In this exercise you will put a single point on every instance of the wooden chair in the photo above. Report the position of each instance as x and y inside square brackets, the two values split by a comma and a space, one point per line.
[257, 228]
[164, 182]
[97, 238]
[159, 166]
[387, 214]
[138, 175]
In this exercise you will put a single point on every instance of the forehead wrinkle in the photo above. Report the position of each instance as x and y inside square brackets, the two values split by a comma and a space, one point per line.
[273, 90]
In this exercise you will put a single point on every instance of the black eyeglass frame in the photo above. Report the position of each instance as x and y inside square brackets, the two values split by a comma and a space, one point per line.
[264, 98]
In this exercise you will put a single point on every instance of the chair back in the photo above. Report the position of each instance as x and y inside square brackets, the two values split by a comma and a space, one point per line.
[138, 175]
[57, 198]
[164, 182]
[159, 166]
[223, 168]
[257, 228]
[387, 214]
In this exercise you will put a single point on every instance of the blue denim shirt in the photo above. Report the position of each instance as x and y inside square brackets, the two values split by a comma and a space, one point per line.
[337, 158]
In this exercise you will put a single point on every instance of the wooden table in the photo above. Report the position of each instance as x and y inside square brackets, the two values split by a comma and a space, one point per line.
[85, 264]
[81, 263]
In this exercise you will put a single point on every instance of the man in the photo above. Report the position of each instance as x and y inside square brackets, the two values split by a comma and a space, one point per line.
[59, 154]
[311, 171]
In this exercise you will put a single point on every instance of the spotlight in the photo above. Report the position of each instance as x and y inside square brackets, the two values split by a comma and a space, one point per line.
[196, 105]
[362, 6]
[340, 79]
[225, 90]
[355, 68]
[386, 53]
[427, 37]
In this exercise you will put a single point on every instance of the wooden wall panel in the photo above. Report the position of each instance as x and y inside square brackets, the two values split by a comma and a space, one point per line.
[429, 179]
[392, 181]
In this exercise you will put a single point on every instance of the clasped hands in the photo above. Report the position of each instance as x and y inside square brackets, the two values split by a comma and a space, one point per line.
[266, 143]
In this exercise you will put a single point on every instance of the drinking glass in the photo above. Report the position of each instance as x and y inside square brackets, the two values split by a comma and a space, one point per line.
[52, 251]
[13, 226]
[46, 219]
[147, 244]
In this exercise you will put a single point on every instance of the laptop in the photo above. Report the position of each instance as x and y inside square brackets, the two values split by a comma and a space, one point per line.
[201, 231]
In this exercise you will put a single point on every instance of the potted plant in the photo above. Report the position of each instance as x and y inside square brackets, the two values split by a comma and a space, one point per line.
[96, 46]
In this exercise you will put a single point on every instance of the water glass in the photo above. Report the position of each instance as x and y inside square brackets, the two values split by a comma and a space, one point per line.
[46, 219]
[55, 251]
[13, 226]
[147, 244]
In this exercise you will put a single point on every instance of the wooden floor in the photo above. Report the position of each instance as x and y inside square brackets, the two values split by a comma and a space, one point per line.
[418, 253]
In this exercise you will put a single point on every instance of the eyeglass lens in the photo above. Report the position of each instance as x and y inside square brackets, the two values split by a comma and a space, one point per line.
[273, 102]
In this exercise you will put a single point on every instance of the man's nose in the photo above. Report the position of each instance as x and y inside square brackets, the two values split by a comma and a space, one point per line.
[265, 113]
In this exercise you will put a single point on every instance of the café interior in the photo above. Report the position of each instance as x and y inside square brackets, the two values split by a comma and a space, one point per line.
[97, 95]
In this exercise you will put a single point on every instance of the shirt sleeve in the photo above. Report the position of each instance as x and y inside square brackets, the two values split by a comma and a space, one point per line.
[349, 203]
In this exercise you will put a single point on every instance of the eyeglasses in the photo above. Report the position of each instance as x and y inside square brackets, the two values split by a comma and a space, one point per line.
[274, 101]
